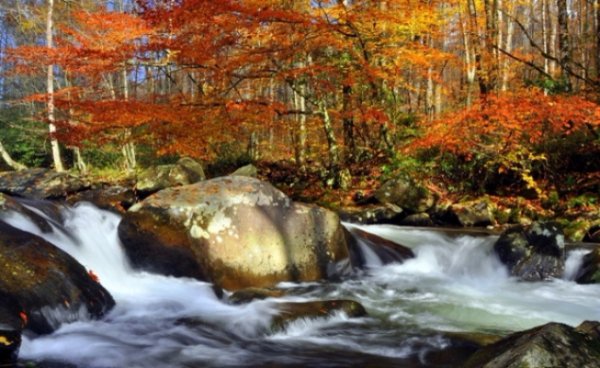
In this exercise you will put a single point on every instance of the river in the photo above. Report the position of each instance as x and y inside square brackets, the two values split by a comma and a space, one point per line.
[454, 284]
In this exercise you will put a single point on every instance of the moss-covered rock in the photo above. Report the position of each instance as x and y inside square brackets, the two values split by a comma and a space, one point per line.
[479, 212]
[185, 171]
[49, 286]
[235, 231]
[550, 345]
[406, 194]
[533, 253]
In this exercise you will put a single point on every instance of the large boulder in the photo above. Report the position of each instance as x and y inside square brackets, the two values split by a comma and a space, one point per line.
[533, 253]
[550, 345]
[41, 184]
[185, 171]
[406, 194]
[49, 286]
[235, 231]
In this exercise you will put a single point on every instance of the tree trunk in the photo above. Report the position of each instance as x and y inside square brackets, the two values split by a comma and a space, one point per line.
[332, 145]
[129, 147]
[348, 124]
[508, 46]
[9, 161]
[564, 45]
[300, 138]
[56, 157]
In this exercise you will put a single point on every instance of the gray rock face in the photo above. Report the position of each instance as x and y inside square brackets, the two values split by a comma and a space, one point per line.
[40, 184]
[185, 171]
[237, 232]
[533, 253]
[550, 345]
[405, 194]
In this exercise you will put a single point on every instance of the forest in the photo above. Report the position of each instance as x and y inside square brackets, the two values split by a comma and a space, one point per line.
[328, 98]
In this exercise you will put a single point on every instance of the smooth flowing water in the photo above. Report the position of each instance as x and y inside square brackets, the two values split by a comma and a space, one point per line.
[454, 284]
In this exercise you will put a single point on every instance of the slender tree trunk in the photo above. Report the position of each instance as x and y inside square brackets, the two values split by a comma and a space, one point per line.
[564, 45]
[56, 157]
[332, 144]
[300, 138]
[508, 46]
[9, 161]
[470, 67]
[129, 153]
[545, 45]
[348, 124]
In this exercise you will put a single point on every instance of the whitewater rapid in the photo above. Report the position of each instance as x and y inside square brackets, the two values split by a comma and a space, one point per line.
[453, 284]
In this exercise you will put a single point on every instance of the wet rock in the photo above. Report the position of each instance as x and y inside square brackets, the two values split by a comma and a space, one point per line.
[406, 194]
[112, 198]
[49, 285]
[248, 170]
[289, 312]
[550, 345]
[370, 214]
[589, 272]
[235, 231]
[479, 212]
[247, 295]
[41, 184]
[533, 253]
[185, 171]
[9, 206]
[386, 250]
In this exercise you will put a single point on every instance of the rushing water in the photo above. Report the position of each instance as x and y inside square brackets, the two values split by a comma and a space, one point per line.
[453, 284]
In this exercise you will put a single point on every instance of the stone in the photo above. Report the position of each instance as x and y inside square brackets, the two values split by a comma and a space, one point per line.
[250, 294]
[550, 345]
[592, 235]
[533, 253]
[41, 184]
[185, 171]
[11, 326]
[49, 286]
[479, 212]
[248, 170]
[589, 271]
[417, 219]
[406, 194]
[370, 214]
[112, 198]
[235, 231]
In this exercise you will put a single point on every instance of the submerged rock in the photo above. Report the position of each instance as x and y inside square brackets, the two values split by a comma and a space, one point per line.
[41, 184]
[386, 250]
[406, 194]
[9, 205]
[185, 171]
[250, 294]
[235, 231]
[289, 312]
[550, 345]
[49, 286]
[533, 253]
